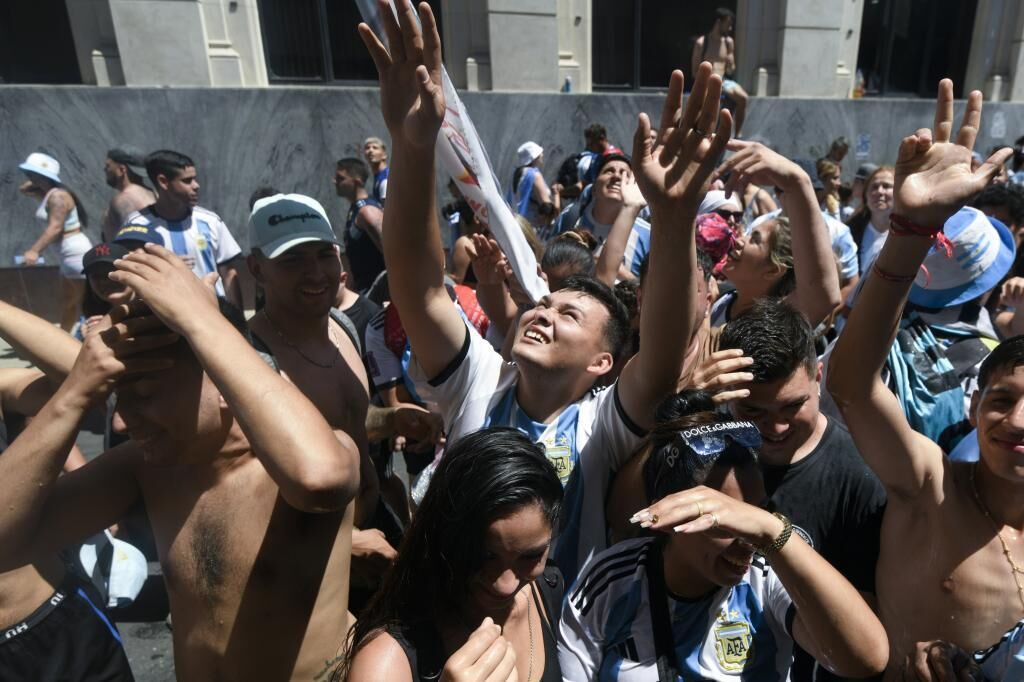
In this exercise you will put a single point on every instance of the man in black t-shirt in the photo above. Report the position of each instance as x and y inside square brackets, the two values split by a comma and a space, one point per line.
[812, 471]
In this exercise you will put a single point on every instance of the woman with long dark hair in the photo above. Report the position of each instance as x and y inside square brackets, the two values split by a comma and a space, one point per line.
[469, 590]
[64, 219]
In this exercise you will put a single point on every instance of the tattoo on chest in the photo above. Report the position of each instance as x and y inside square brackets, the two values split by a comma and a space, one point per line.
[208, 549]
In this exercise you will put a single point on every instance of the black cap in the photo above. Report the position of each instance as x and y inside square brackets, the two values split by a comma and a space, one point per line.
[129, 156]
[608, 157]
[103, 253]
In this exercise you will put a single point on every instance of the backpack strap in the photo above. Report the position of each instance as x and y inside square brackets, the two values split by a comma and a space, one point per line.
[346, 323]
[661, 624]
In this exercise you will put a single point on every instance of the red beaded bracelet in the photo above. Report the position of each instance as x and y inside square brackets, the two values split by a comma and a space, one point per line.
[901, 226]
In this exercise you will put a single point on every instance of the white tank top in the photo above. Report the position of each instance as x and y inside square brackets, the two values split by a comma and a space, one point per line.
[71, 222]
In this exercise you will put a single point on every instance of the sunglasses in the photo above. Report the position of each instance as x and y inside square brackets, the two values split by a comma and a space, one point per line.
[710, 440]
[736, 216]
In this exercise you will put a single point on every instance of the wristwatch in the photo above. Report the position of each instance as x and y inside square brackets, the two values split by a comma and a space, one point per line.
[780, 541]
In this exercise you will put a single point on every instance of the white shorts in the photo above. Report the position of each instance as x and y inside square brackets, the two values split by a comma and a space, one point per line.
[72, 248]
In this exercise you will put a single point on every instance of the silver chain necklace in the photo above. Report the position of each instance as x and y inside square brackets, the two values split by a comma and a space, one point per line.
[334, 359]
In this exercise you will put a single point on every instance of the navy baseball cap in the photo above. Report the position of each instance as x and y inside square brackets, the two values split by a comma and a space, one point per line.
[137, 232]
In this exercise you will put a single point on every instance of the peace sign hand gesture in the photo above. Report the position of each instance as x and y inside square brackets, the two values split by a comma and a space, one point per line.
[409, 69]
[672, 171]
[933, 175]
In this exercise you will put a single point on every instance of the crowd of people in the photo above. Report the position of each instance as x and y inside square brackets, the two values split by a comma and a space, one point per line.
[761, 426]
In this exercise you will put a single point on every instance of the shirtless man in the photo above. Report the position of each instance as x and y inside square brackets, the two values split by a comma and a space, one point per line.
[295, 259]
[953, 533]
[51, 617]
[246, 485]
[719, 48]
[124, 170]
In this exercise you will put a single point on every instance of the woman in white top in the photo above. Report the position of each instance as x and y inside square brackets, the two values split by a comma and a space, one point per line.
[870, 224]
[64, 219]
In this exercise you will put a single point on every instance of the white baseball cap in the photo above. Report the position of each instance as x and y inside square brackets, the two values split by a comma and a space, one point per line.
[284, 221]
[42, 164]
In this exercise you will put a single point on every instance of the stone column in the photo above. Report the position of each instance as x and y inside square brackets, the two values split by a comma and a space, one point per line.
[575, 33]
[809, 40]
[161, 42]
[467, 45]
[524, 44]
[95, 42]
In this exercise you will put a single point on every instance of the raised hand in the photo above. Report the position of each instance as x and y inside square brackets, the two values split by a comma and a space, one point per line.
[673, 169]
[490, 265]
[703, 509]
[112, 348]
[755, 163]
[723, 373]
[933, 174]
[409, 69]
[168, 286]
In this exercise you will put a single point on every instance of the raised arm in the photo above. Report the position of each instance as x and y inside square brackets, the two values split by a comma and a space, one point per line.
[412, 102]
[814, 266]
[490, 265]
[44, 513]
[933, 180]
[610, 260]
[316, 470]
[46, 346]
[672, 174]
[833, 622]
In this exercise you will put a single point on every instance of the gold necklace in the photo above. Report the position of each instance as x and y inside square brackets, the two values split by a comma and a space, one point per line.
[529, 627]
[1015, 569]
[334, 359]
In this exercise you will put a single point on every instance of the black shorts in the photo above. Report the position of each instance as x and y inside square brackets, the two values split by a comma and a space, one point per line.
[69, 637]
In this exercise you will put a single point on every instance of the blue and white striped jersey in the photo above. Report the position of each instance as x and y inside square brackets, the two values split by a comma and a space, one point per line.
[587, 443]
[637, 246]
[736, 633]
[201, 238]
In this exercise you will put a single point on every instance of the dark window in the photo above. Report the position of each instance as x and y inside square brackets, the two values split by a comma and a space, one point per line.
[317, 41]
[907, 46]
[637, 43]
[36, 45]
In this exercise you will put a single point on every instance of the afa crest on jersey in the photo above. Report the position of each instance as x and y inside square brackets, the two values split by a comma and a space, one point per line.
[733, 643]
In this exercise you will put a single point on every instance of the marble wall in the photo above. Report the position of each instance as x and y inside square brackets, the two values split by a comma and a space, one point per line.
[290, 137]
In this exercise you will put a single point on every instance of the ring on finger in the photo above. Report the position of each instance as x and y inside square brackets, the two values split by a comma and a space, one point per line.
[700, 132]
[654, 519]
[714, 520]
[700, 509]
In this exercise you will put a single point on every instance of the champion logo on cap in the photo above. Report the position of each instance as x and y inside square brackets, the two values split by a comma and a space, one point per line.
[277, 218]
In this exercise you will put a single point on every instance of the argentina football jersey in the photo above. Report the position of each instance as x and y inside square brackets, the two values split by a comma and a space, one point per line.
[740, 632]
[587, 443]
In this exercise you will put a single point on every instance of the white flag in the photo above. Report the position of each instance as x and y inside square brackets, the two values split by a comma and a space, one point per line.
[463, 156]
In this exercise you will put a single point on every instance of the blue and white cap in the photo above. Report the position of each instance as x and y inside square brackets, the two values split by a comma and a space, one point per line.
[983, 251]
